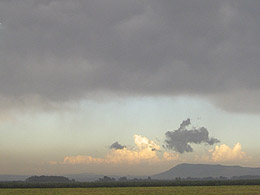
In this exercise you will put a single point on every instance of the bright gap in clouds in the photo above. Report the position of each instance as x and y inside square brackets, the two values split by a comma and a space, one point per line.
[91, 127]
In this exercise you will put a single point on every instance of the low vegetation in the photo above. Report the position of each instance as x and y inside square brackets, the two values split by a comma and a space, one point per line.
[47, 179]
[132, 183]
[209, 190]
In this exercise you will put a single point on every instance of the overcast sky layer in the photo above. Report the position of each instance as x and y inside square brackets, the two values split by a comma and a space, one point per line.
[65, 50]
[106, 79]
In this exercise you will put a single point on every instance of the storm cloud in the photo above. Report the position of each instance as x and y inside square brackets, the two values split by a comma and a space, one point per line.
[117, 146]
[180, 139]
[63, 50]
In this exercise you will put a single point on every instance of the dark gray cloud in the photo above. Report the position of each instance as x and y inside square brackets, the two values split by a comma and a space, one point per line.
[62, 50]
[117, 146]
[180, 139]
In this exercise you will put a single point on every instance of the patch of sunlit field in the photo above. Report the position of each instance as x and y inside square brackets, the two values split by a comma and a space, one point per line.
[138, 190]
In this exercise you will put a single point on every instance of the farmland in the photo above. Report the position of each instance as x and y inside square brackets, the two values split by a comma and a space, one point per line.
[138, 190]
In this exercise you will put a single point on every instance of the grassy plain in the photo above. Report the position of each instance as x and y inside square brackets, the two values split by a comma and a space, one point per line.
[230, 190]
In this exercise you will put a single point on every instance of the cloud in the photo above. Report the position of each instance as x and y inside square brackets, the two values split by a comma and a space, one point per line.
[63, 50]
[180, 139]
[224, 153]
[171, 156]
[144, 152]
[144, 143]
[116, 146]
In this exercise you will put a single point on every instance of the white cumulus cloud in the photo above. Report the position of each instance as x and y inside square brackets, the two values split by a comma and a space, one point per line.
[145, 151]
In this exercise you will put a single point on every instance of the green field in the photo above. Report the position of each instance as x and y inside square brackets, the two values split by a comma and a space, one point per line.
[138, 190]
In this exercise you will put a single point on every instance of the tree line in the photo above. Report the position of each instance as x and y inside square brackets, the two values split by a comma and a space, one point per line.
[136, 183]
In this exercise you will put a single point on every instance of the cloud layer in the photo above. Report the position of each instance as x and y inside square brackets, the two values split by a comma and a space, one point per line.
[180, 139]
[224, 153]
[145, 151]
[117, 146]
[61, 50]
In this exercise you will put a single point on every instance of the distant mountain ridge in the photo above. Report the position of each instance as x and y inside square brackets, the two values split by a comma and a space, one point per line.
[83, 177]
[184, 170]
[205, 170]
[13, 177]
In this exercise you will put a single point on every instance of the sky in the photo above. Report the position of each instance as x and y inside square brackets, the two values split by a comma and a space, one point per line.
[129, 87]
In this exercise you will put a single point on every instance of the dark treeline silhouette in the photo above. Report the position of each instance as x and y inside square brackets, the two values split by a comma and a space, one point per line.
[206, 178]
[121, 179]
[246, 177]
[129, 183]
[48, 179]
[106, 179]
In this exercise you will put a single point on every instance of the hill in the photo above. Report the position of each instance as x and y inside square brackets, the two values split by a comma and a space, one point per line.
[205, 170]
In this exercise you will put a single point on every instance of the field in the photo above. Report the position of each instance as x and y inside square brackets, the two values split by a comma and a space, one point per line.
[138, 190]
